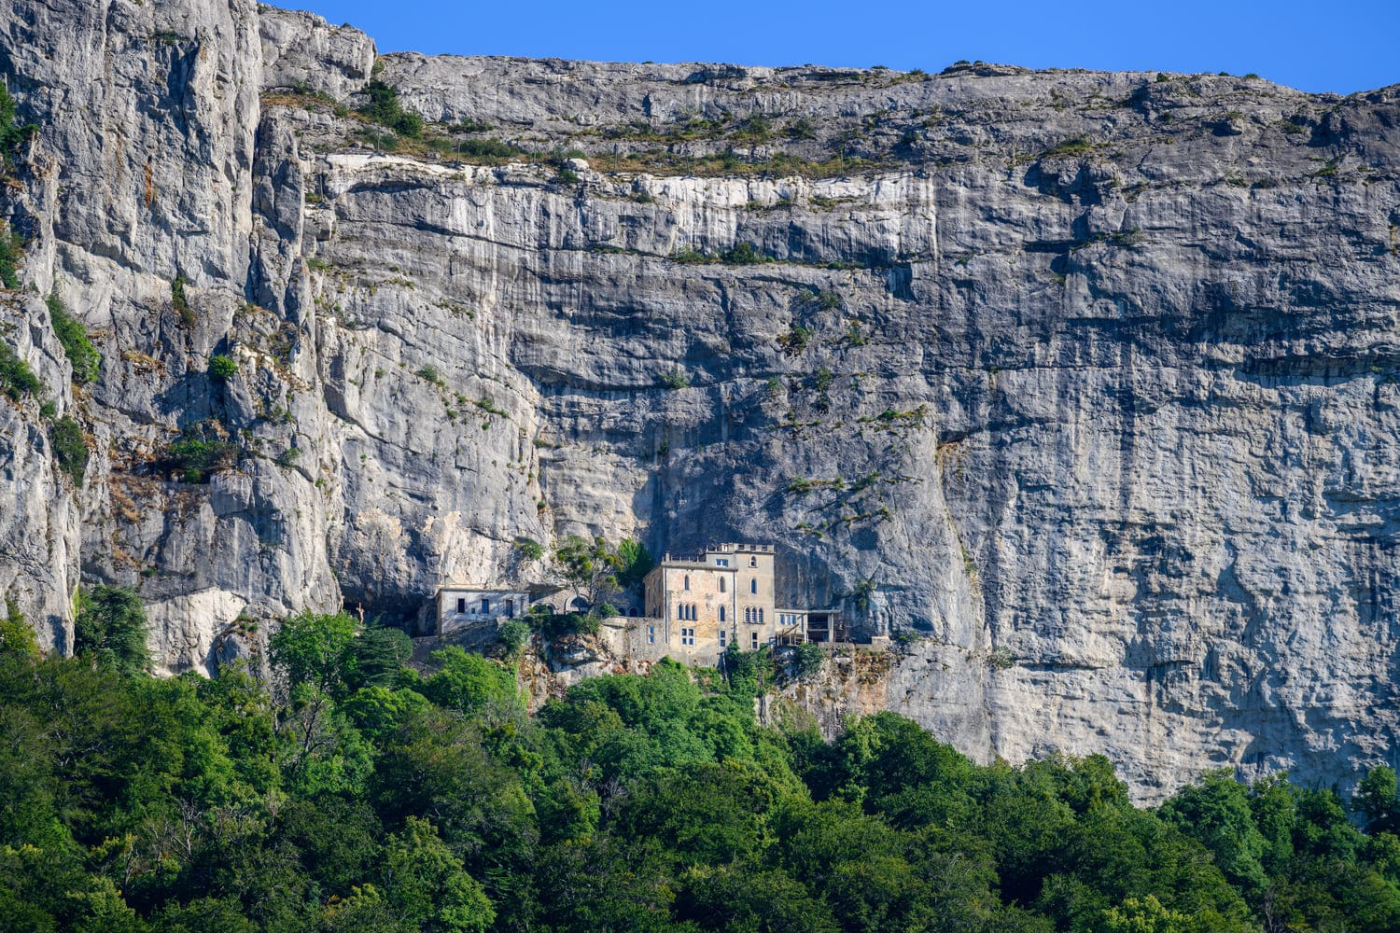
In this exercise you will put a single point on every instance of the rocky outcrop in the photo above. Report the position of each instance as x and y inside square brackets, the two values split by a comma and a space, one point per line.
[301, 52]
[1087, 382]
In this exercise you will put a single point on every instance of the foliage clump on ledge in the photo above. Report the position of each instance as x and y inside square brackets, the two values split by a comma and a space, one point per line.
[383, 107]
[82, 355]
[70, 448]
[199, 452]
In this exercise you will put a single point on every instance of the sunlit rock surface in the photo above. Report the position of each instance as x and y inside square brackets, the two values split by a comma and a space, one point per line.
[1091, 377]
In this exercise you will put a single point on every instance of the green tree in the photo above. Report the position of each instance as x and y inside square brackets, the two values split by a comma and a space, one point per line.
[746, 899]
[439, 764]
[316, 656]
[426, 886]
[1216, 811]
[380, 711]
[1274, 806]
[590, 566]
[634, 562]
[17, 378]
[318, 651]
[204, 915]
[379, 653]
[1145, 915]
[710, 814]
[110, 627]
[16, 637]
[1376, 799]
[222, 368]
[471, 684]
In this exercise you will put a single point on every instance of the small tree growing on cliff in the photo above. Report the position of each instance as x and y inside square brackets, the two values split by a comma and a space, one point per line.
[110, 628]
[598, 571]
[589, 566]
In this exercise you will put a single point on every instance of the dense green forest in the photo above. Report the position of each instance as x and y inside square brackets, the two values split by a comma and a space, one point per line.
[353, 793]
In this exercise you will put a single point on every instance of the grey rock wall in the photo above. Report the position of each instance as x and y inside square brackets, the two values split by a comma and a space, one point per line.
[1087, 380]
[302, 52]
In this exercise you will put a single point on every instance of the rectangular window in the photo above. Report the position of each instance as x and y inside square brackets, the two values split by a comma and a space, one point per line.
[723, 637]
[687, 636]
[651, 634]
[755, 641]
[462, 606]
[485, 604]
[721, 562]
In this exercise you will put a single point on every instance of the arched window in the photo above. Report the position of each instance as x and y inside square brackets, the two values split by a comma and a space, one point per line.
[723, 584]
[687, 581]
[753, 585]
[680, 611]
[760, 616]
[753, 561]
[721, 613]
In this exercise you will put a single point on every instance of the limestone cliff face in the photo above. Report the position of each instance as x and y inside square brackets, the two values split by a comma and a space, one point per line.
[1089, 380]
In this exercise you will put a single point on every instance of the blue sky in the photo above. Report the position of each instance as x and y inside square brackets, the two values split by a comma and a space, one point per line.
[1334, 45]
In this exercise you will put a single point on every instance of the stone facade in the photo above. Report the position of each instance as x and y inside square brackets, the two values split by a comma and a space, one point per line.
[725, 596]
[461, 606]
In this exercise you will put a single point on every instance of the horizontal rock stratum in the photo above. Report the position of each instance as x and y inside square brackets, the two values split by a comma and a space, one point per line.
[1088, 380]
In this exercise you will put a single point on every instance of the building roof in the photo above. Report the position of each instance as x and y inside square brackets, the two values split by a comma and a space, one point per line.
[535, 590]
[671, 563]
[731, 547]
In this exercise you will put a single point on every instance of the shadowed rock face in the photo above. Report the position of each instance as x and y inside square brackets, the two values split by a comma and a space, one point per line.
[1089, 380]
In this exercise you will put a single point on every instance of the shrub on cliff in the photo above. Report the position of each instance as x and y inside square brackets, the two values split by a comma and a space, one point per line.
[222, 368]
[12, 133]
[11, 249]
[16, 637]
[17, 379]
[200, 452]
[807, 660]
[83, 356]
[70, 448]
[383, 107]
